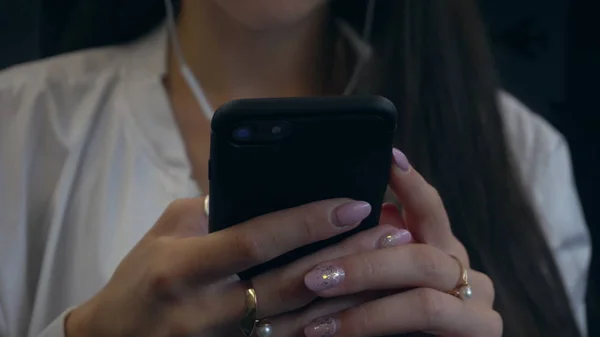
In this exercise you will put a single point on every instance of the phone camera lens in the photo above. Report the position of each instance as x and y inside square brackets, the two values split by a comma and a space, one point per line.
[243, 134]
[276, 130]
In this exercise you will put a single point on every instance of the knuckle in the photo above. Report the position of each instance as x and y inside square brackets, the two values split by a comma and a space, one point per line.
[369, 269]
[461, 253]
[159, 274]
[161, 282]
[483, 287]
[177, 209]
[435, 196]
[179, 206]
[497, 326]
[488, 285]
[431, 304]
[249, 248]
[362, 269]
[361, 320]
[281, 297]
[307, 225]
[278, 294]
[487, 281]
[433, 192]
[427, 261]
[312, 219]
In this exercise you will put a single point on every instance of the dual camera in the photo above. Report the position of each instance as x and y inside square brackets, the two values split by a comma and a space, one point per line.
[261, 132]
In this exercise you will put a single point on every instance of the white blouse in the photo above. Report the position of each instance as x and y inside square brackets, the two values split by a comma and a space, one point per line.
[90, 156]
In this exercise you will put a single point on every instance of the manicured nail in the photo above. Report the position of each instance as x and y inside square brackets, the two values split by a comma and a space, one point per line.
[401, 160]
[400, 237]
[351, 214]
[321, 327]
[323, 278]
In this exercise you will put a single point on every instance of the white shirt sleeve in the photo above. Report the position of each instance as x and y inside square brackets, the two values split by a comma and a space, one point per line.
[32, 157]
[562, 220]
[542, 158]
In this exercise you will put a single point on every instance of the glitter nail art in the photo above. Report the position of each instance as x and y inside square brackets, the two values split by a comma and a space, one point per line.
[394, 239]
[323, 278]
[321, 327]
[331, 275]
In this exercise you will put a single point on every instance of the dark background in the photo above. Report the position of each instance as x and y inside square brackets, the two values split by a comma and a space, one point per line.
[546, 50]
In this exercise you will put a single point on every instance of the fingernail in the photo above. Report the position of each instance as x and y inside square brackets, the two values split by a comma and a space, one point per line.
[322, 327]
[401, 237]
[401, 160]
[351, 213]
[323, 278]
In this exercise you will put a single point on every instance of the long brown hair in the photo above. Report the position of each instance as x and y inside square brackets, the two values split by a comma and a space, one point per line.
[432, 60]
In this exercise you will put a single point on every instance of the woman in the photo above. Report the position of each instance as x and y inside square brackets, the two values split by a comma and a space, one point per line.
[95, 145]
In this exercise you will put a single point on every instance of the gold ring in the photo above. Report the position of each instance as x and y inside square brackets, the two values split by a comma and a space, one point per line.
[206, 209]
[462, 289]
[249, 320]
[250, 325]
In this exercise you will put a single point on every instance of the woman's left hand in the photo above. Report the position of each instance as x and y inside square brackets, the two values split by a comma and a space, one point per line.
[415, 279]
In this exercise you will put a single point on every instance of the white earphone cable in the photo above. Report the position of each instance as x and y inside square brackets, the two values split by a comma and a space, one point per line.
[362, 45]
[186, 71]
[369, 21]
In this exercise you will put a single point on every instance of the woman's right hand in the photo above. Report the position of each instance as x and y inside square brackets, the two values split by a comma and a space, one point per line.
[177, 281]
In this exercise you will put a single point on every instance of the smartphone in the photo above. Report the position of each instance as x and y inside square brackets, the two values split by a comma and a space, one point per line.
[272, 154]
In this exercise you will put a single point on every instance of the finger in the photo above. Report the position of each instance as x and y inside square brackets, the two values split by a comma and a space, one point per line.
[277, 291]
[391, 215]
[482, 287]
[293, 323]
[284, 290]
[182, 218]
[243, 246]
[226, 300]
[418, 310]
[227, 309]
[425, 213]
[401, 267]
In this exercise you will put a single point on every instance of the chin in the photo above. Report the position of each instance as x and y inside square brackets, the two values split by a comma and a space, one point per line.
[270, 14]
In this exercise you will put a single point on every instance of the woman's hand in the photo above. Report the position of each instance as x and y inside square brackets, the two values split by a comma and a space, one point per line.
[176, 282]
[415, 279]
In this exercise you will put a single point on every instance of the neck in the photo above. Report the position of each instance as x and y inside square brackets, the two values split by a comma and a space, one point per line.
[232, 61]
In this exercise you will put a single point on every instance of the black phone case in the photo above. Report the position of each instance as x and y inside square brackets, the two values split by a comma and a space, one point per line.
[338, 147]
